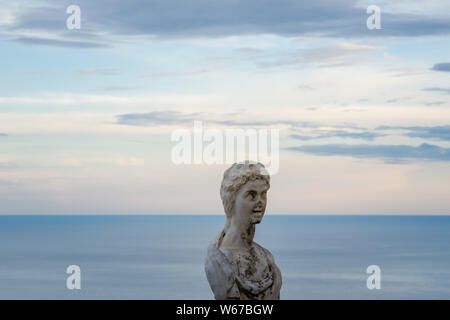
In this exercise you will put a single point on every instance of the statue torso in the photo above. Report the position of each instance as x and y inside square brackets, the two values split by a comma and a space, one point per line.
[253, 271]
[244, 274]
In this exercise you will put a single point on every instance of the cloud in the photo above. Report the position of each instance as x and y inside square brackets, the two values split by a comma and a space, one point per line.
[8, 165]
[105, 20]
[340, 54]
[435, 133]
[367, 135]
[3, 134]
[116, 88]
[407, 72]
[444, 66]
[157, 118]
[337, 51]
[68, 98]
[178, 118]
[249, 50]
[305, 87]
[103, 72]
[175, 74]
[437, 89]
[130, 161]
[390, 153]
[59, 43]
[434, 103]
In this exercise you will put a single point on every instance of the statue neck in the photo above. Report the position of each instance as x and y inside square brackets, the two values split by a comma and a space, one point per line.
[238, 236]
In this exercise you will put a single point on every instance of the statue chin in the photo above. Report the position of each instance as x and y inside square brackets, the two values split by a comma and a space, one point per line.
[255, 219]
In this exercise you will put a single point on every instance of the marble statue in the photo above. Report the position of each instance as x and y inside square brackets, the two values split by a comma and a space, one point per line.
[236, 266]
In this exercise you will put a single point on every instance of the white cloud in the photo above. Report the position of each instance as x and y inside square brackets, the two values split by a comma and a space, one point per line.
[338, 53]
[59, 98]
[418, 7]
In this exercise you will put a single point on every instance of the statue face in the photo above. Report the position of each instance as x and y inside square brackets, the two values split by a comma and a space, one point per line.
[251, 200]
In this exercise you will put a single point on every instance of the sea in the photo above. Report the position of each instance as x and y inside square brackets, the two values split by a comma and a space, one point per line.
[162, 256]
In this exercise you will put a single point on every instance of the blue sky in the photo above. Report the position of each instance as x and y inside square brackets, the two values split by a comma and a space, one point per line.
[363, 114]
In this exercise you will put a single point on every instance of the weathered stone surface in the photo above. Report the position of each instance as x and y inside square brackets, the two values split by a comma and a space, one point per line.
[237, 267]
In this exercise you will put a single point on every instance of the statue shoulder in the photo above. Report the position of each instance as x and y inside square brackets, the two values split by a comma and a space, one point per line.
[276, 271]
[220, 274]
[265, 251]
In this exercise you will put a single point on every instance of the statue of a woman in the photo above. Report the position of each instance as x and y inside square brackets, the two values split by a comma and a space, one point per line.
[236, 266]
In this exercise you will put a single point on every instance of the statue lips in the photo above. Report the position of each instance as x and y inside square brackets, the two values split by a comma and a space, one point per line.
[258, 212]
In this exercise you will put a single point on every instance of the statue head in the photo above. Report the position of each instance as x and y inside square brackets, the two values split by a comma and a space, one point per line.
[243, 192]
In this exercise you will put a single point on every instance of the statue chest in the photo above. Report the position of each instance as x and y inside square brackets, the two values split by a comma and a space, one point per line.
[253, 271]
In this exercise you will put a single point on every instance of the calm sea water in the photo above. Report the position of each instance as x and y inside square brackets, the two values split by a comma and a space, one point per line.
[162, 257]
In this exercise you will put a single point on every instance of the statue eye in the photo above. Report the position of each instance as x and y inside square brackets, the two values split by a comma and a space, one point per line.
[252, 194]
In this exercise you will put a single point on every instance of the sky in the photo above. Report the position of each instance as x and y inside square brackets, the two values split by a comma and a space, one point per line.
[86, 115]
